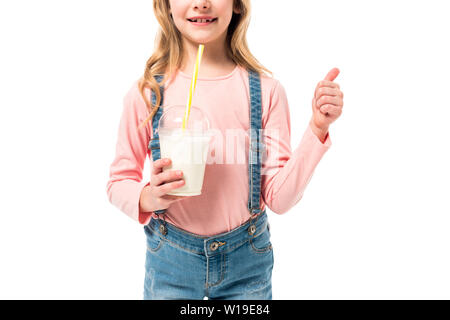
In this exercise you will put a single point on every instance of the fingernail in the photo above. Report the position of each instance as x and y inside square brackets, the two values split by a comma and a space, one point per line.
[179, 173]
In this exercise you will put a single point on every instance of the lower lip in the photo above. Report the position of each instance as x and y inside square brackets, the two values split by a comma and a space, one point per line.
[200, 24]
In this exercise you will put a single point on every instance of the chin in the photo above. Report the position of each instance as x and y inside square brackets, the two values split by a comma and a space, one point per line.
[202, 40]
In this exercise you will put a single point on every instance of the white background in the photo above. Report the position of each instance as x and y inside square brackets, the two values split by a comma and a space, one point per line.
[374, 220]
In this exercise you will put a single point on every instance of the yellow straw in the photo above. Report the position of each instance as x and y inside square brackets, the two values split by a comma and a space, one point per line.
[193, 83]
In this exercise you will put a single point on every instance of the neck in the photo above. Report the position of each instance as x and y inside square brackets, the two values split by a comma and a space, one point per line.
[215, 61]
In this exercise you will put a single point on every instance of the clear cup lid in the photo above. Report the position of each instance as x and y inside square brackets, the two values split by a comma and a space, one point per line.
[172, 121]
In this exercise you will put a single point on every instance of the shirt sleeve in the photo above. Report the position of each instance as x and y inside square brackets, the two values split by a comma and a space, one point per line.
[285, 174]
[125, 177]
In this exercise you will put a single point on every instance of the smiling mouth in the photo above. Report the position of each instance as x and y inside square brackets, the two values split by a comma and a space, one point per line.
[202, 21]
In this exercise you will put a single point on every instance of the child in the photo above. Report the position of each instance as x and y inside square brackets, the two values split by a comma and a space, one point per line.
[217, 244]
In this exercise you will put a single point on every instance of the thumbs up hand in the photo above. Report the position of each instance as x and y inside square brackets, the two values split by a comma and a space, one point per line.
[327, 102]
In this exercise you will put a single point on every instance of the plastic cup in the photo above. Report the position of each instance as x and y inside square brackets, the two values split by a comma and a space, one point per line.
[188, 148]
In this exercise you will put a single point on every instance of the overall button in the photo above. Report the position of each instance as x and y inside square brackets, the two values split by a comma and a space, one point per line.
[163, 229]
[251, 229]
[213, 246]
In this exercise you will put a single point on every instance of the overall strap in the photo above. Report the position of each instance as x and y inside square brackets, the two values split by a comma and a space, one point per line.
[256, 147]
[154, 143]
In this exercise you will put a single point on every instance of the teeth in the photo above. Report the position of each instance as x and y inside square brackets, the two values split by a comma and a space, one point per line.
[201, 20]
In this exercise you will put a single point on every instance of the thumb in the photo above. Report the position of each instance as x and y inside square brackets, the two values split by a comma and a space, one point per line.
[332, 74]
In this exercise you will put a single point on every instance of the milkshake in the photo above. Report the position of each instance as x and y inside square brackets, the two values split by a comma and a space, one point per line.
[188, 148]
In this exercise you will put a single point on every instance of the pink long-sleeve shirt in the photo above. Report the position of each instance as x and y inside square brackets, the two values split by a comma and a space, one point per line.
[222, 206]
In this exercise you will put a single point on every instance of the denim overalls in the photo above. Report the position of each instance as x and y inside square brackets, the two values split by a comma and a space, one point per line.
[233, 265]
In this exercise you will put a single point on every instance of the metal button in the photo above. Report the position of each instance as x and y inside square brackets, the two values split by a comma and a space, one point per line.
[163, 229]
[251, 229]
[213, 246]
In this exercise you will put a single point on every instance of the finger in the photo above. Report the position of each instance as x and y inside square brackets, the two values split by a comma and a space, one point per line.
[331, 109]
[326, 83]
[159, 164]
[326, 91]
[167, 176]
[173, 198]
[336, 100]
[167, 187]
[167, 200]
[332, 74]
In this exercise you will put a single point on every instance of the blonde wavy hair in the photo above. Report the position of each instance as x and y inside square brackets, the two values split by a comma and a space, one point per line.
[168, 52]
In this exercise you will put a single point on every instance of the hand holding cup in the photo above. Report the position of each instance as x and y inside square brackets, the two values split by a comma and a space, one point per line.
[154, 197]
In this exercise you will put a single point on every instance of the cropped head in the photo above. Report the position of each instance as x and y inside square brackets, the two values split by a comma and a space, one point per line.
[188, 15]
[230, 21]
